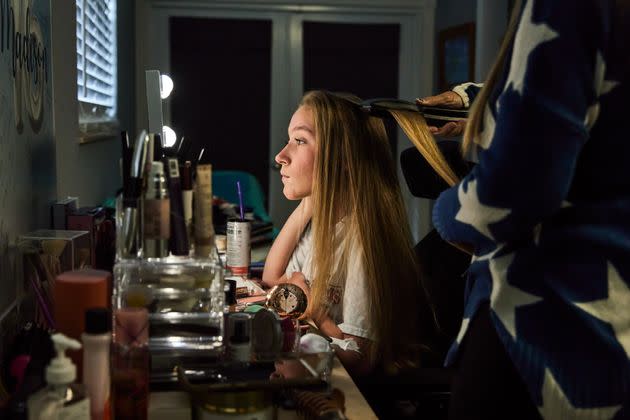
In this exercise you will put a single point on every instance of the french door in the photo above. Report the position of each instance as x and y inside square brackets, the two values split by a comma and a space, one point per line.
[385, 49]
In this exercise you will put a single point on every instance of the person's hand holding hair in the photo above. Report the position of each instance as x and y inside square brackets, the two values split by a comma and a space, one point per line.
[451, 100]
[448, 99]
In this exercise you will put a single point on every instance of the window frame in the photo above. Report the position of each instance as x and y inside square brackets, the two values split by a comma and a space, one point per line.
[96, 121]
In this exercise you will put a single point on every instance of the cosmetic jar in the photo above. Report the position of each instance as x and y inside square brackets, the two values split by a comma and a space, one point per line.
[245, 405]
[267, 336]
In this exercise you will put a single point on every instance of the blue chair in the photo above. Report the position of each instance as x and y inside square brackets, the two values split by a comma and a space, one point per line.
[224, 186]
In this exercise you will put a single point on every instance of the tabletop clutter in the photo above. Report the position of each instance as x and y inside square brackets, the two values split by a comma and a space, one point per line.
[179, 312]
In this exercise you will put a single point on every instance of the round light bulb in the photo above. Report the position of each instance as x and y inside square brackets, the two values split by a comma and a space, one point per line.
[169, 136]
[166, 86]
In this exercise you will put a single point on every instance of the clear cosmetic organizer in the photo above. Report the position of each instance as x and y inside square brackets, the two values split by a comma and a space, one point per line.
[185, 299]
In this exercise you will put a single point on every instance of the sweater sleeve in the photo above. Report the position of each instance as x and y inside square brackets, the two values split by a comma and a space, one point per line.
[534, 127]
[468, 92]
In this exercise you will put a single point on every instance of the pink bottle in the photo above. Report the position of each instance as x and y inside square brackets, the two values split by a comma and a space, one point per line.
[131, 364]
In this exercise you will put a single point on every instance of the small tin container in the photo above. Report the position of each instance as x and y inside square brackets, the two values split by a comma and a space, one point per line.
[238, 246]
[243, 405]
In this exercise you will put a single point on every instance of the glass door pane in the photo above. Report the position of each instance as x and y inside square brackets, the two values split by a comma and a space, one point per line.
[221, 69]
[361, 58]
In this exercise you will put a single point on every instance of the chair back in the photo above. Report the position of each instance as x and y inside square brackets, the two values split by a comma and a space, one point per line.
[442, 266]
[224, 186]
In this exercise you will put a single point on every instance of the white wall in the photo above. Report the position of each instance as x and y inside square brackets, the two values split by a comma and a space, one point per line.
[454, 12]
[37, 168]
[491, 24]
[27, 158]
[450, 13]
[490, 17]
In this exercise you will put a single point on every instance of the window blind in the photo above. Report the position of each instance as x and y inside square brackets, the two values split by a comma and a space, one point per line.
[96, 53]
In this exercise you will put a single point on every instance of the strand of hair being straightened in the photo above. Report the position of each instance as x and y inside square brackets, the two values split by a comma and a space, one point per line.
[415, 127]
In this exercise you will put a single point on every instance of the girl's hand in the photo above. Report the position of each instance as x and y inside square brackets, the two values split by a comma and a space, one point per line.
[299, 280]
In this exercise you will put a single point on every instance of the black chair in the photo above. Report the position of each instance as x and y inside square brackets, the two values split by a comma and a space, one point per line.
[424, 392]
[442, 265]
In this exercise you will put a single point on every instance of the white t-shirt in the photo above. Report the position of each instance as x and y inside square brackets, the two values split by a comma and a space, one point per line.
[348, 301]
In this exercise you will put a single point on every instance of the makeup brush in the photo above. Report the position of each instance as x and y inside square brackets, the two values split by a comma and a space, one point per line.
[126, 159]
[37, 279]
[53, 250]
[130, 199]
[179, 147]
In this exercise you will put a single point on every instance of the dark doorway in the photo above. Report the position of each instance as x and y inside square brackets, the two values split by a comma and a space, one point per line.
[221, 69]
[357, 58]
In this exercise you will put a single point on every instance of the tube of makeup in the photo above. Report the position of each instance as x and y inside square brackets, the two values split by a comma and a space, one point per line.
[156, 214]
[204, 230]
[179, 237]
[187, 198]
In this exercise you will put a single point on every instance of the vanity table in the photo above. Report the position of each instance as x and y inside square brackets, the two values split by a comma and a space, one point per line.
[175, 405]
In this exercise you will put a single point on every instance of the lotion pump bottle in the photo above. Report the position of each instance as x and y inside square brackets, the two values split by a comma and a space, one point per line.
[61, 399]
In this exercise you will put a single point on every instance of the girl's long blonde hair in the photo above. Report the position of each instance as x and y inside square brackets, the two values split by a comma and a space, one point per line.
[415, 127]
[355, 182]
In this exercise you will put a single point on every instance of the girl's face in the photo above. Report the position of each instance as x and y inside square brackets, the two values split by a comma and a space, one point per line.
[298, 156]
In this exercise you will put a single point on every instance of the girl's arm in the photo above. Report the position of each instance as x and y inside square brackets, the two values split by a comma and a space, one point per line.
[357, 363]
[285, 243]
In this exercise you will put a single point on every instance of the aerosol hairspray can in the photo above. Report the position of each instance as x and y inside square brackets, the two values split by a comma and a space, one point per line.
[238, 246]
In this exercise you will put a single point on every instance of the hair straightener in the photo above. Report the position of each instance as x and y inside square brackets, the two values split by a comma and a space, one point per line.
[435, 116]
[380, 107]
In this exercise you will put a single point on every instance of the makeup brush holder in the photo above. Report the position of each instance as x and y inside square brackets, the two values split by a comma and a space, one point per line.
[60, 250]
[185, 300]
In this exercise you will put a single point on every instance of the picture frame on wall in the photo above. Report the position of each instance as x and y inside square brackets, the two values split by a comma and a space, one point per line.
[456, 55]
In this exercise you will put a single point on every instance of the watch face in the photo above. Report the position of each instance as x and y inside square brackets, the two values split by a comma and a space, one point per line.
[287, 300]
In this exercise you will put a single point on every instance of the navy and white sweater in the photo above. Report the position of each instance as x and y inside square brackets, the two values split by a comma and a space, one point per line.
[547, 208]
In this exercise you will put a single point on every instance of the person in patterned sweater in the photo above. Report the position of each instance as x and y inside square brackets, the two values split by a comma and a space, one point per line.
[546, 328]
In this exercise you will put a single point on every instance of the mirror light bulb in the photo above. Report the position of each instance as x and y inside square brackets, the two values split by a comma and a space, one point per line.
[166, 85]
[169, 136]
